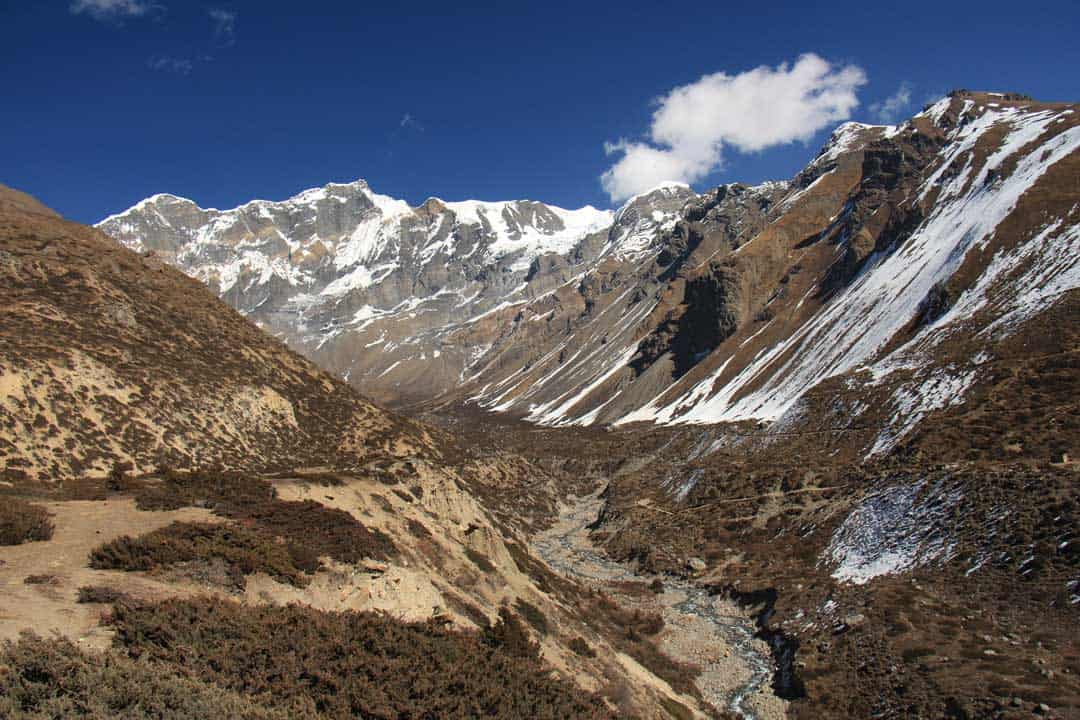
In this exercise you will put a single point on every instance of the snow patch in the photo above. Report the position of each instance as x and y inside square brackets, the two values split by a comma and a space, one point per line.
[893, 531]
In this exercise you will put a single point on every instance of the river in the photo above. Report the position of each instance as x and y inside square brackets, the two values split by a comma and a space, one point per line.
[706, 630]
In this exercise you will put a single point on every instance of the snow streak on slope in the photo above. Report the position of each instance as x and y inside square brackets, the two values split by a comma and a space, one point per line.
[855, 325]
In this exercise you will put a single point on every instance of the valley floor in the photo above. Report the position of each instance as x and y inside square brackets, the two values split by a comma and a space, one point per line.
[700, 628]
[923, 585]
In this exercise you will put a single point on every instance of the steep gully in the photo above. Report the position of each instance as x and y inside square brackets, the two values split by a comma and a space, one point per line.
[700, 627]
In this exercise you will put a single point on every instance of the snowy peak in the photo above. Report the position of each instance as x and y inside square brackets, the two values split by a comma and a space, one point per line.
[849, 137]
[528, 229]
[644, 218]
[351, 216]
[667, 197]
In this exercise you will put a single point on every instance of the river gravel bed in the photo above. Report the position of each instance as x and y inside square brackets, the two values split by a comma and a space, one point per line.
[705, 630]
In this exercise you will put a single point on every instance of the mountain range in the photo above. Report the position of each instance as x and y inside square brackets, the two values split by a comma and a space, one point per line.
[884, 274]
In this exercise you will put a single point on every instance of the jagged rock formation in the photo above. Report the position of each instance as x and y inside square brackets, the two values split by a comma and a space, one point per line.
[893, 245]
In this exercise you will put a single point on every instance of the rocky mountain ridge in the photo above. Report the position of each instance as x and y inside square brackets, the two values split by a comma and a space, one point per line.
[895, 244]
[341, 269]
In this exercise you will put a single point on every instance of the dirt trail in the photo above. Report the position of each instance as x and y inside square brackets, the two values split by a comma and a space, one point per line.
[701, 629]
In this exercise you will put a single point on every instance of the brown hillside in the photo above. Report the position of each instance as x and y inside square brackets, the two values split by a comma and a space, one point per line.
[107, 356]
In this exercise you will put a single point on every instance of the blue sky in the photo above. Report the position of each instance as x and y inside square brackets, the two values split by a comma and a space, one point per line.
[108, 101]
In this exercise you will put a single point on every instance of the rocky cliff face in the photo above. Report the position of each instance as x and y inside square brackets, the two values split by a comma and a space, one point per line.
[895, 244]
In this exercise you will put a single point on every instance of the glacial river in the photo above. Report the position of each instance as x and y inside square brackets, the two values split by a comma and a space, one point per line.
[706, 630]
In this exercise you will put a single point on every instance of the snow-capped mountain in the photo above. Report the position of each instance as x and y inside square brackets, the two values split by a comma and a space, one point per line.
[376, 290]
[360, 280]
[864, 274]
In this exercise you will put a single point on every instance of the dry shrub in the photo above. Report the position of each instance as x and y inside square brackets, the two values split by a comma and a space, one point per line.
[101, 595]
[21, 522]
[580, 647]
[533, 615]
[119, 478]
[325, 531]
[510, 636]
[311, 529]
[45, 679]
[314, 477]
[418, 530]
[46, 579]
[243, 550]
[634, 623]
[203, 487]
[352, 664]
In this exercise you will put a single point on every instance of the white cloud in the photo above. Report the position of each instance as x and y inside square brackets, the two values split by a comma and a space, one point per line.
[751, 111]
[112, 9]
[224, 25]
[643, 167]
[891, 108]
[169, 63]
